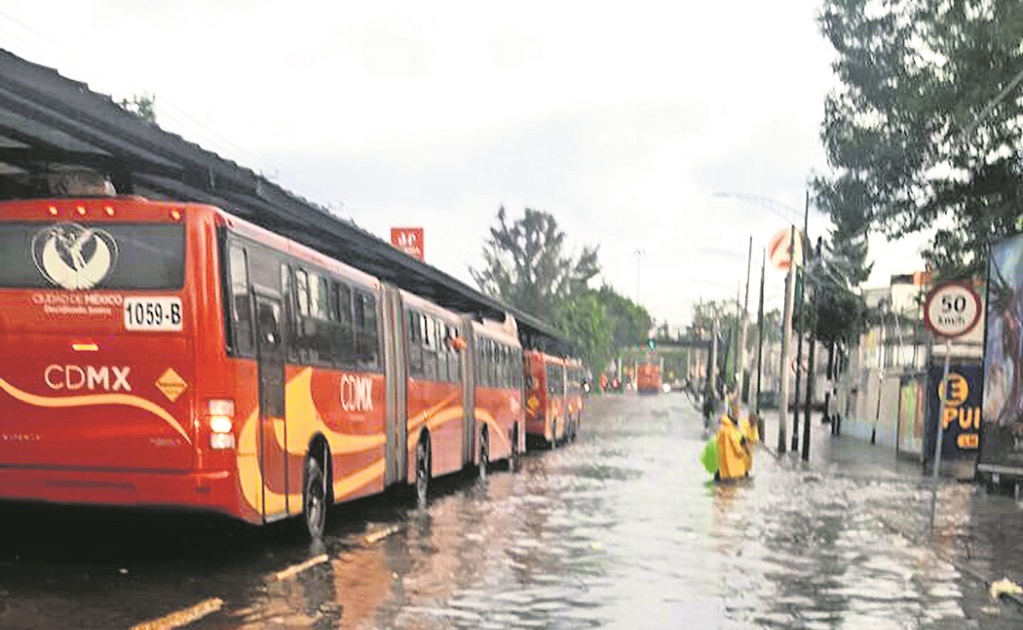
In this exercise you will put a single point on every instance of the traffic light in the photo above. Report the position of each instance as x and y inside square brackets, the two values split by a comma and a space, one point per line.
[651, 344]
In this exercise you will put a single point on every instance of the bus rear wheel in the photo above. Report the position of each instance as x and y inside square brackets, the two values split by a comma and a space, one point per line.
[554, 435]
[484, 454]
[314, 504]
[515, 458]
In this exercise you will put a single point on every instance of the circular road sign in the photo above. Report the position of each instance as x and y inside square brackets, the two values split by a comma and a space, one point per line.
[952, 309]
[779, 246]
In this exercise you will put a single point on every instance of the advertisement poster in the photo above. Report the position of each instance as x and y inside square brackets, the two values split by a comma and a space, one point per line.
[963, 396]
[1001, 434]
[911, 415]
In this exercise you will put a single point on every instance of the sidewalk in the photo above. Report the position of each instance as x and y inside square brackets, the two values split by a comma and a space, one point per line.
[979, 533]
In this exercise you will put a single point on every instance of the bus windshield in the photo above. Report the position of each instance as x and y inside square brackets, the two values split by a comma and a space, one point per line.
[79, 256]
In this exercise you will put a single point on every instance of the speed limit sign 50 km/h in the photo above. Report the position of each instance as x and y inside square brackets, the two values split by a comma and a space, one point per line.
[952, 309]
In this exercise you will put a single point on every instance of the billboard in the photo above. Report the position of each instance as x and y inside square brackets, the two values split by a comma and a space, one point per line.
[409, 240]
[962, 419]
[1001, 429]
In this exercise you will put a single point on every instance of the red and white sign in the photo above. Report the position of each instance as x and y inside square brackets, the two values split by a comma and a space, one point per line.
[779, 246]
[409, 240]
[952, 309]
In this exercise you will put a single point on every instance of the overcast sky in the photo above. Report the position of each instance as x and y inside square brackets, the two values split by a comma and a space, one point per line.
[624, 120]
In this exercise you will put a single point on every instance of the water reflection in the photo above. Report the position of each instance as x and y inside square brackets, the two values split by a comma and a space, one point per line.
[619, 530]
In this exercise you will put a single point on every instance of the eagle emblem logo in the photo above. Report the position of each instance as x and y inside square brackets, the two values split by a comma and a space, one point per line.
[73, 256]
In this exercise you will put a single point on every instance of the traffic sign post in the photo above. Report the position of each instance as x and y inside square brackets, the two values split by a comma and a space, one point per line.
[951, 310]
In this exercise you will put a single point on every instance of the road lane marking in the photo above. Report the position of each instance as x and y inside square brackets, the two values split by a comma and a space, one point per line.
[182, 617]
[380, 535]
[294, 570]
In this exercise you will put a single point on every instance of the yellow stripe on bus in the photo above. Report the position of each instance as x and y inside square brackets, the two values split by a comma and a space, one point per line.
[94, 399]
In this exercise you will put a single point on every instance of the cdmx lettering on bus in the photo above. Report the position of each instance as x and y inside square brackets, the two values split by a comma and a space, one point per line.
[356, 393]
[110, 378]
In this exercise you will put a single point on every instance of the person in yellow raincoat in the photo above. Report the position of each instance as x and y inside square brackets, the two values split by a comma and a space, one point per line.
[735, 444]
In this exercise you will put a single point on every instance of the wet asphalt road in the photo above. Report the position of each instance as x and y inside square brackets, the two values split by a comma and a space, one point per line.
[618, 530]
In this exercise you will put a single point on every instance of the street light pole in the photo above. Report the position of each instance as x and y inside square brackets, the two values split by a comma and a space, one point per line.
[799, 337]
[639, 256]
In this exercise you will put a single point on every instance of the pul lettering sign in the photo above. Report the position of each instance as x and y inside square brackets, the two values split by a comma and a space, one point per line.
[952, 309]
[409, 240]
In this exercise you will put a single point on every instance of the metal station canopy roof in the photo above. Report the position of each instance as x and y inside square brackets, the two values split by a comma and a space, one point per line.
[49, 123]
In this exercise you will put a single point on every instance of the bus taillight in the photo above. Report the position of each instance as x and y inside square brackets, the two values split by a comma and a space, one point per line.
[52, 210]
[221, 415]
[109, 210]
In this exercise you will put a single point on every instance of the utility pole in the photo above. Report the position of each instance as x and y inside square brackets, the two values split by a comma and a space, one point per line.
[786, 345]
[715, 333]
[811, 359]
[799, 337]
[741, 368]
[760, 332]
[760, 343]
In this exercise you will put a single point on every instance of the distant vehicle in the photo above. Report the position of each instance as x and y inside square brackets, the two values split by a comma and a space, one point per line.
[547, 418]
[648, 375]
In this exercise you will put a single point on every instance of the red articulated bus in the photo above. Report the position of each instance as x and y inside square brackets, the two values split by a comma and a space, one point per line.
[496, 395]
[546, 398]
[166, 354]
[648, 375]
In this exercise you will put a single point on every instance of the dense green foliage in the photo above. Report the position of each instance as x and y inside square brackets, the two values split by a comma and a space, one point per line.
[925, 129]
[526, 267]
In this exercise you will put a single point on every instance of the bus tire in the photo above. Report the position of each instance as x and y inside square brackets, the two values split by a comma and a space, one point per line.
[575, 427]
[484, 454]
[422, 482]
[554, 435]
[314, 499]
[515, 459]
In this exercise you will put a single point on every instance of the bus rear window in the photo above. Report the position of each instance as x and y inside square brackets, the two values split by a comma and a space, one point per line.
[80, 256]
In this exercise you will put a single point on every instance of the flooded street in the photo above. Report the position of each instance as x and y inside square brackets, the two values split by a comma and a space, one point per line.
[619, 530]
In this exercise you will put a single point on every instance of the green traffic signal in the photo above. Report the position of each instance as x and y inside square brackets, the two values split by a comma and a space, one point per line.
[651, 343]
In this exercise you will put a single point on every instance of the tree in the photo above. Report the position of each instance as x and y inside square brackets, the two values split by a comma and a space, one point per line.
[630, 322]
[526, 265]
[584, 321]
[142, 105]
[926, 128]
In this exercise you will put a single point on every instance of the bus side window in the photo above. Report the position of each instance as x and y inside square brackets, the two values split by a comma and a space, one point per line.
[442, 351]
[367, 335]
[302, 292]
[429, 348]
[241, 306]
[455, 356]
[413, 341]
[288, 314]
[505, 368]
[347, 332]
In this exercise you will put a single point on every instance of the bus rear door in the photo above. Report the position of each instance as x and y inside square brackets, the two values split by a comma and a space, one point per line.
[273, 430]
